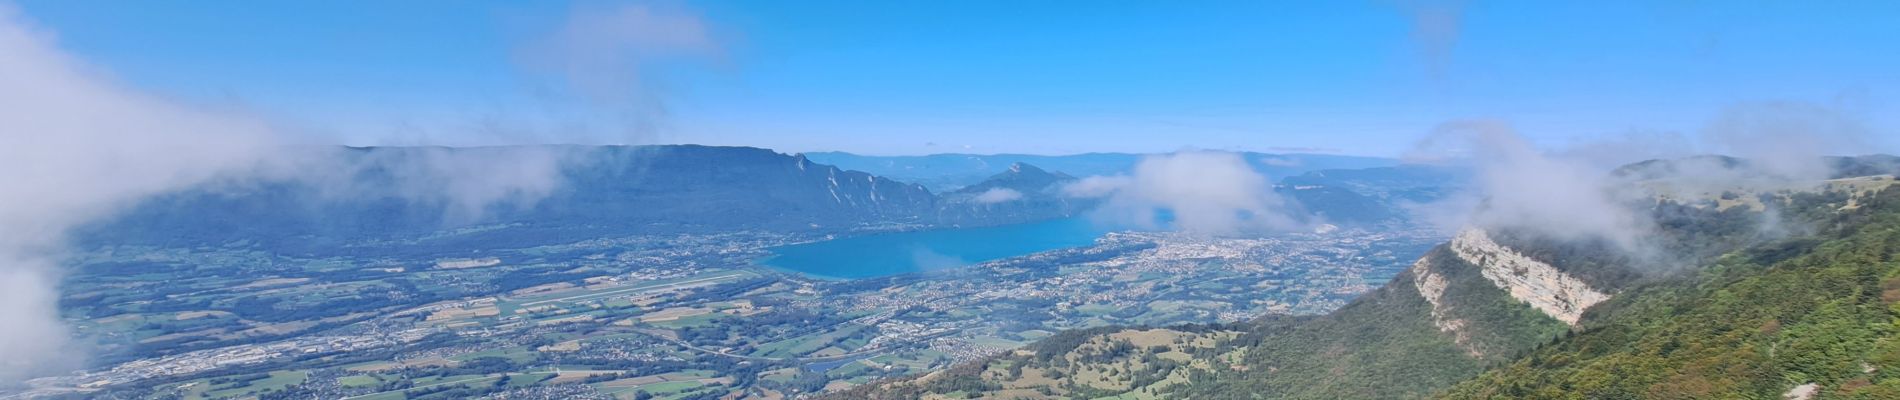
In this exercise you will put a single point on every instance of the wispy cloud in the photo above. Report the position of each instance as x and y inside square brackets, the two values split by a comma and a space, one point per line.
[1436, 26]
[1518, 186]
[1787, 138]
[604, 56]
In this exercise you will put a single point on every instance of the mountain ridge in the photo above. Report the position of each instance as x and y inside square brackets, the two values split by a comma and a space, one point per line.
[1485, 299]
[950, 171]
[587, 191]
[594, 190]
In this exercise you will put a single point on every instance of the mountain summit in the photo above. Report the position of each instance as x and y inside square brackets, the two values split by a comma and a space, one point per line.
[1022, 193]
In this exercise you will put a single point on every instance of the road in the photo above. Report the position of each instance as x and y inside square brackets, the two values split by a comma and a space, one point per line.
[642, 288]
[859, 352]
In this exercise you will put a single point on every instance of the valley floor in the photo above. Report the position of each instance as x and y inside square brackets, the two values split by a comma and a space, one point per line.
[674, 317]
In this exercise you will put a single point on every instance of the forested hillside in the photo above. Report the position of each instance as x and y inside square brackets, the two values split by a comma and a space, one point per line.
[1813, 316]
[1729, 302]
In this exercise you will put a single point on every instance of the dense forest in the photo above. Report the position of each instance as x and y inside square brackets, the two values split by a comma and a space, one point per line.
[1821, 310]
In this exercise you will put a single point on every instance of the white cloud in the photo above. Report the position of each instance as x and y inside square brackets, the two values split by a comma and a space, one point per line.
[1205, 191]
[1518, 186]
[1569, 193]
[465, 182]
[79, 148]
[998, 195]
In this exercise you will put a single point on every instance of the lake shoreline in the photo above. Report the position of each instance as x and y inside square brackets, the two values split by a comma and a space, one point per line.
[897, 253]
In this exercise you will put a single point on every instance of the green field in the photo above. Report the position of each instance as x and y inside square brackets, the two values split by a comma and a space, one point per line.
[805, 344]
[277, 380]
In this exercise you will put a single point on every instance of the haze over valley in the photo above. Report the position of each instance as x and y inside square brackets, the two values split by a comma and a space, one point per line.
[986, 200]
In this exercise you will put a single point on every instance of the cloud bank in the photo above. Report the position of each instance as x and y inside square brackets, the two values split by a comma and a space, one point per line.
[1787, 139]
[1206, 192]
[1570, 193]
[1518, 186]
[82, 148]
[464, 182]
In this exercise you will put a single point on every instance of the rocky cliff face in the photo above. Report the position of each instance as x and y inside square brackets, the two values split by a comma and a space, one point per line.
[1431, 285]
[1533, 282]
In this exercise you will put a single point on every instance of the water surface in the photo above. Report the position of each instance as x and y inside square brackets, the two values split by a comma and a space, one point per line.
[905, 252]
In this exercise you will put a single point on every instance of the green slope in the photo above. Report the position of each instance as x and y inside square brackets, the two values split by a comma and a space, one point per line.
[1818, 310]
[1384, 345]
[1736, 304]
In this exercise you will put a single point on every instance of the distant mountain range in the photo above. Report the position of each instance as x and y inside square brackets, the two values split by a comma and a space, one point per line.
[604, 191]
[1022, 193]
[1828, 167]
[598, 191]
[941, 172]
[1370, 195]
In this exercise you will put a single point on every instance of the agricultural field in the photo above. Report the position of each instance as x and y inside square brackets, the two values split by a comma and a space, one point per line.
[675, 317]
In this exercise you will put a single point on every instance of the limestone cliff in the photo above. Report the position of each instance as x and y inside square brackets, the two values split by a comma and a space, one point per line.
[1533, 282]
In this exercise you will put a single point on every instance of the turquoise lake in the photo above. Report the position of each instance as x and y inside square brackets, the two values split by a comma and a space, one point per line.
[905, 252]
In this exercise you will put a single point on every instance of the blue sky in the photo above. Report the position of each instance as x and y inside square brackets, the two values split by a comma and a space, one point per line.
[911, 77]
